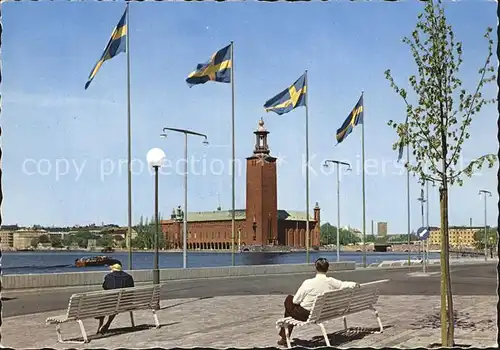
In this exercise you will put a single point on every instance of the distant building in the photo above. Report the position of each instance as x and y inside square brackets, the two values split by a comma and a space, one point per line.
[260, 224]
[459, 236]
[22, 238]
[382, 229]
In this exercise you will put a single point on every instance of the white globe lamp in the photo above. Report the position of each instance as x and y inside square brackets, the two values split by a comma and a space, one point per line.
[155, 157]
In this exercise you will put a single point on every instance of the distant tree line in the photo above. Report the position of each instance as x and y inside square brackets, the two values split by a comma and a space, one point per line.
[79, 239]
[146, 233]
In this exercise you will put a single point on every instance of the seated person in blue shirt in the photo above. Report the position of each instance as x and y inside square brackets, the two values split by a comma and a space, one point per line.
[114, 280]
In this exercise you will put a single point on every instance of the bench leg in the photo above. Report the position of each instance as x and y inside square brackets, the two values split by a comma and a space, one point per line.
[344, 319]
[61, 340]
[84, 333]
[379, 321]
[157, 321]
[325, 335]
[287, 336]
[132, 319]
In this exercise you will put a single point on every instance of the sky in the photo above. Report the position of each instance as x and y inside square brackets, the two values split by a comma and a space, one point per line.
[65, 148]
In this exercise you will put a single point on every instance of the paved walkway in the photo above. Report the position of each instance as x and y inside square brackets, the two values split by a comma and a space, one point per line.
[249, 321]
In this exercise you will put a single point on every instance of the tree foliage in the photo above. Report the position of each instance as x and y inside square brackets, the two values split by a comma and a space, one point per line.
[146, 233]
[56, 242]
[437, 123]
[491, 236]
[328, 235]
[44, 239]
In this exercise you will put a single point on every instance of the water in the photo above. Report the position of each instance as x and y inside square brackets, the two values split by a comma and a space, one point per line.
[57, 262]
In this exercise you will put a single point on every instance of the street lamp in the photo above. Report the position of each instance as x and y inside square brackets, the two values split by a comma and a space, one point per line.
[156, 158]
[184, 234]
[338, 163]
[427, 213]
[486, 194]
[423, 200]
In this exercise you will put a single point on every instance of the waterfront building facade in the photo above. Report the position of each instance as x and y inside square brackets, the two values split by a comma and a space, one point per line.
[260, 224]
[459, 236]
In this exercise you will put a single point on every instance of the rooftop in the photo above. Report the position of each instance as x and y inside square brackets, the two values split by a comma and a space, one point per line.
[240, 214]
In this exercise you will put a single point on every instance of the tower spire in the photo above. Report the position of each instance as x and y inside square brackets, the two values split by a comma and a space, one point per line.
[261, 145]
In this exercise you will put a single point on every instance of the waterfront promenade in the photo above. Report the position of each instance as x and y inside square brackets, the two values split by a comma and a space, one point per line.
[241, 312]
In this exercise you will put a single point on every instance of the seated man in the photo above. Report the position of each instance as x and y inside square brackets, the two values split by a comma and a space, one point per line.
[300, 305]
[114, 280]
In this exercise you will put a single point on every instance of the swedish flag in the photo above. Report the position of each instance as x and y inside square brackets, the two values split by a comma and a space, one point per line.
[116, 44]
[288, 99]
[217, 68]
[354, 118]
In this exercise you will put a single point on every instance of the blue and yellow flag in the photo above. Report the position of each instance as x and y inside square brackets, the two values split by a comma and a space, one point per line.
[288, 99]
[217, 68]
[116, 44]
[354, 118]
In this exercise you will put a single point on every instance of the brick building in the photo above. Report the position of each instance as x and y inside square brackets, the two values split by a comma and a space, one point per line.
[260, 224]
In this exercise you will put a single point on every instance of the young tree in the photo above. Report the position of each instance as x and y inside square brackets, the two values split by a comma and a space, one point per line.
[328, 234]
[437, 123]
[56, 242]
[44, 239]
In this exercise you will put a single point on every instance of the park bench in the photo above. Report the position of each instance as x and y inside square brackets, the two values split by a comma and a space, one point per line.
[105, 303]
[335, 304]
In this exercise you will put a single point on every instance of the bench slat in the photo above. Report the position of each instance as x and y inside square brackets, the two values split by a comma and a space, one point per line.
[109, 302]
[329, 299]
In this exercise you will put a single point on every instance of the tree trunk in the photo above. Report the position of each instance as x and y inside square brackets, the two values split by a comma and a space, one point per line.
[447, 318]
[444, 272]
[449, 294]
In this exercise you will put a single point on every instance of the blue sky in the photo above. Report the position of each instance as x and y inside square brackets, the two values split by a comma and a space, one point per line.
[50, 121]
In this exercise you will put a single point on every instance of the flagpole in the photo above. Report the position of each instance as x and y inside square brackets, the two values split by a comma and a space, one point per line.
[129, 166]
[233, 156]
[408, 216]
[307, 169]
[363, 167]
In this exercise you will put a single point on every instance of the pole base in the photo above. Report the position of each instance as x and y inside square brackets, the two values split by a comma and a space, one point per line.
[156, 276]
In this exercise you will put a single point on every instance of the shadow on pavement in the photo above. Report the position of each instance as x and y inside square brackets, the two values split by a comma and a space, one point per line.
[122, 330]
[338, 338]
[185, 302]
[7, 299]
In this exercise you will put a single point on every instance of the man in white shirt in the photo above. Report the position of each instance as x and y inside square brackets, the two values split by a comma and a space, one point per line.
[300, 305]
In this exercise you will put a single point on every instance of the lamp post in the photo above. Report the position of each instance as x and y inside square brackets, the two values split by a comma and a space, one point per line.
[184, 233]
[156, 158]
[486, 194]
[338, 163]
[427, 180]
[423, 200]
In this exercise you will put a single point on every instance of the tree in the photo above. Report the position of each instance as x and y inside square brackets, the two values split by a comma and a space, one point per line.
[34, 242]
[491, 234]
[43, 239]
[328, 234]
[56, 242]
[68, 240]
[106, 240]
[370, 239]
[146, 233]
[81, 238]
[436, 128]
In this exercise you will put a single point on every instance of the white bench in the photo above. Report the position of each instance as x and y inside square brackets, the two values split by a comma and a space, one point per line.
[105, 303]
[335, 304]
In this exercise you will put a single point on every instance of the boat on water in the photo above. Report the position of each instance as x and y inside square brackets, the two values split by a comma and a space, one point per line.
[101, 260]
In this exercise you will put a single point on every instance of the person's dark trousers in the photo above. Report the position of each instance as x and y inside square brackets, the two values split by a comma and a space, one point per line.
[295, 311]
[106, 326]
